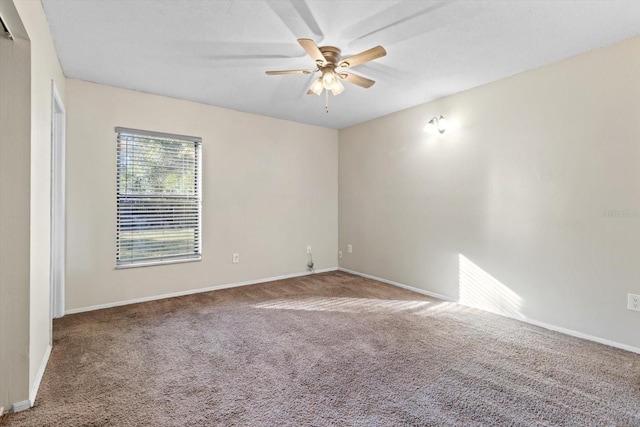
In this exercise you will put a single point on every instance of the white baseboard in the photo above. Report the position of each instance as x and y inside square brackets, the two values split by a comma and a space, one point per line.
[26, 404]
[525, 319]
[562, 330]
[195, 291]
[400, 285]
[39, 375]
[21, 406]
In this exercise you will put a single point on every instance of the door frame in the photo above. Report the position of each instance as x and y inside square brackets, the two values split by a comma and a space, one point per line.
[58, 214]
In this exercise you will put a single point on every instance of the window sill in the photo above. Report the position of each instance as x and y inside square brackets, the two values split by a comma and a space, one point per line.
[159, 262]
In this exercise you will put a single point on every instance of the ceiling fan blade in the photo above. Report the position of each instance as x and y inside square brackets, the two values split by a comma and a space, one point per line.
[275, 73]
[362, 57]
[357, 80]
[313, 51]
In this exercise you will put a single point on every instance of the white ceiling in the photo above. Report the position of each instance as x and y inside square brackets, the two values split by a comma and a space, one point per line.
[216, 52]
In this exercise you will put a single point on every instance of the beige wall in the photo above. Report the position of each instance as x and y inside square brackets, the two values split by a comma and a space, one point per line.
[269, 189]
[14, 211]
[45, 68]
[26, 172]
[506, 212]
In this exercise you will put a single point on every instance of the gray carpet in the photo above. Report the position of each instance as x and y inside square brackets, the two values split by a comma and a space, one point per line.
[324, 350]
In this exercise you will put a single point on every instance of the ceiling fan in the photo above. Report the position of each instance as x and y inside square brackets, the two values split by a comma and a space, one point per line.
[329, 63]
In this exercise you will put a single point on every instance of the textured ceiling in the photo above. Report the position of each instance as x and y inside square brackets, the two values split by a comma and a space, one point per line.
[216, 52]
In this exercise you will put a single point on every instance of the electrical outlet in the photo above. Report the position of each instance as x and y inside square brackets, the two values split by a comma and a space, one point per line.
[634, 302]
[339, 254]
[236, 258]
[308, 249]
[349, 249]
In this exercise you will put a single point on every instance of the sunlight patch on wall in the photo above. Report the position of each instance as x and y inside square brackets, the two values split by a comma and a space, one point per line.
[481, 290]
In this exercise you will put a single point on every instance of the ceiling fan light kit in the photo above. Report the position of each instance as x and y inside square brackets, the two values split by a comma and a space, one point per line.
[337, 88]
[327, 60]
[329, 78]
[317, 86]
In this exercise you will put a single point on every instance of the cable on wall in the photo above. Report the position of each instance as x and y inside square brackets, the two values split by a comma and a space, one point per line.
[5, 29]
[310, 262]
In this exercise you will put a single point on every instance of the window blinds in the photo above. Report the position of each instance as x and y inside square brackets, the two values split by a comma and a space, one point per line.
[158, 198]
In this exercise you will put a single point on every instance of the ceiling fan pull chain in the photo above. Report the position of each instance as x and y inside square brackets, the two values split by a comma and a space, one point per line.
[326, 100]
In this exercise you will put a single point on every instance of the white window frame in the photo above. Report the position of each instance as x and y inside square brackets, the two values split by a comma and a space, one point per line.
[171, 259]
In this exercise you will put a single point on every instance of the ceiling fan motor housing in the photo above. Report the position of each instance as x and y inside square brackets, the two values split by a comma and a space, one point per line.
[332, 55]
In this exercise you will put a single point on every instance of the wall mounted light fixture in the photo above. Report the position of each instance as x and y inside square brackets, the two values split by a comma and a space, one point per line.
[436, 123]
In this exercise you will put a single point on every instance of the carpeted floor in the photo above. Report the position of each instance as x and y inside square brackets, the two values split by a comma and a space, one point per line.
[324, 350]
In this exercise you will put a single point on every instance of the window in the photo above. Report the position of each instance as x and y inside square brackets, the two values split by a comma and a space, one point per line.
[158, 198]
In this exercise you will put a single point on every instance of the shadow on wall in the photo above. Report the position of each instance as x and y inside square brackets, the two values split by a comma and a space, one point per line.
[481, 290]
